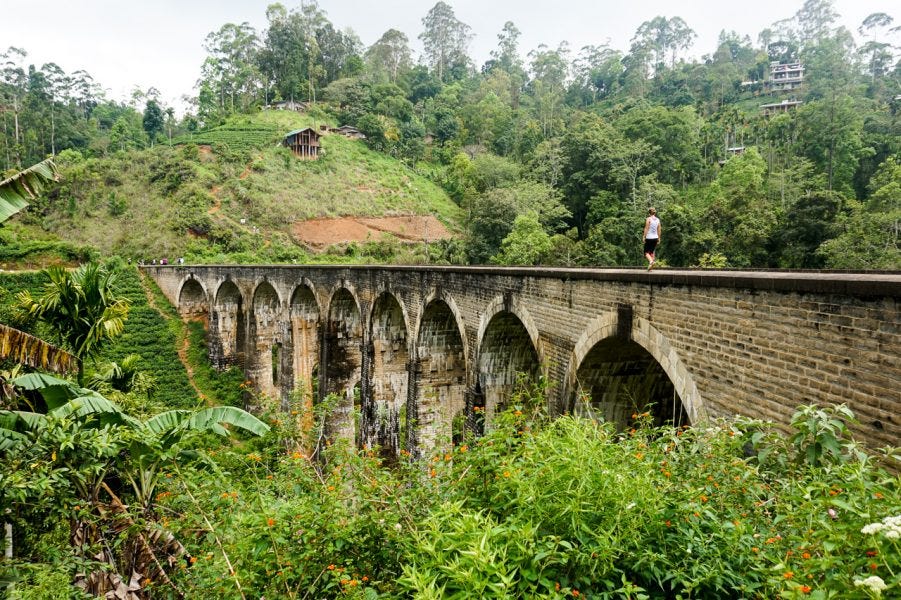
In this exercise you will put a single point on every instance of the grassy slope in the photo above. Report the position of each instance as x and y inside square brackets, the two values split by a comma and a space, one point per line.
[112, 203]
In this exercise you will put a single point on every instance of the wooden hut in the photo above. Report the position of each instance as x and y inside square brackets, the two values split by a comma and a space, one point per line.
[303, 142]
[349, 132]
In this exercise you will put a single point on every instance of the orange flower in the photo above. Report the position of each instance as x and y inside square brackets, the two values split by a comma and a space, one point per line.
[432, 473]
[193, 559]
[755, 549]
[331, 567]
[506, 473]
[576, 593]
[639, 455]
[805, 555]
[464, 448]
[805, 589]
[270, 522]
[788, 574]
[873, 566]
[703, 498]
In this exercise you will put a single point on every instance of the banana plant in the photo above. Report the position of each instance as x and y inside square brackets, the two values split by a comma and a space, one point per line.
[23, 186]
[150, 443]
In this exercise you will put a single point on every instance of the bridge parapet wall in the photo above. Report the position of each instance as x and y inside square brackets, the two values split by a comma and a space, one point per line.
[750, 343]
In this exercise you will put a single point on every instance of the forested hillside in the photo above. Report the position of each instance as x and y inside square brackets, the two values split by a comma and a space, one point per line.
[781, 151]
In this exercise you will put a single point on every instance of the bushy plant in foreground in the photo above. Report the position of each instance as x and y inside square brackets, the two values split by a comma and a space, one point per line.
[536, 508]
[546, 509]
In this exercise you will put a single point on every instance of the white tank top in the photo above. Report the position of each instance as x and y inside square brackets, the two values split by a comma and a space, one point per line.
[653, 223]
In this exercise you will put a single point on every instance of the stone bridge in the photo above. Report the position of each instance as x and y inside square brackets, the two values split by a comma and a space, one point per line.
[421, 352]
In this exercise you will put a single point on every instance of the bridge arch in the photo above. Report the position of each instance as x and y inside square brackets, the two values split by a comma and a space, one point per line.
[508, 345]
[603, 360]
[193, 300]
[228, 327]
[265, 353]
[343, 361]
[385, 409]
[303, 335]
[440, 372]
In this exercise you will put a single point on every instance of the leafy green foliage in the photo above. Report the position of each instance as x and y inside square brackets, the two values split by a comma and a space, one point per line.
[80, 307]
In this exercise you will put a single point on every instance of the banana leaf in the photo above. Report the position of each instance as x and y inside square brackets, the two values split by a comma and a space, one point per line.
[23, 186]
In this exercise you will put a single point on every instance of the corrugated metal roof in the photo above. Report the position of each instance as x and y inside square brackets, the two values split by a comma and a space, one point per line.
[296, 131]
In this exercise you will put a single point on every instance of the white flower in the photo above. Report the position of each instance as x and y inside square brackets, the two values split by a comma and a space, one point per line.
[871, 528]
[874, 582]
[397, 527]
[892, 534]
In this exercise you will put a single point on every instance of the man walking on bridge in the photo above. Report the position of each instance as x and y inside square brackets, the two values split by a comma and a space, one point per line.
[652, 231]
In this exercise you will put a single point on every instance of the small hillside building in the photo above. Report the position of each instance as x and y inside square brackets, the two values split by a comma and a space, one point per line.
[304, 143]
[780, 107]
[349, 132]
[785, 77]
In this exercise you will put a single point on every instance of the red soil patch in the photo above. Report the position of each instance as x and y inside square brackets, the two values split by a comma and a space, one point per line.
[319, 233]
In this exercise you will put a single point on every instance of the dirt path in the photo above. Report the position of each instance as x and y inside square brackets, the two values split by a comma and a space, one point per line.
[185, 342]
[217, 201]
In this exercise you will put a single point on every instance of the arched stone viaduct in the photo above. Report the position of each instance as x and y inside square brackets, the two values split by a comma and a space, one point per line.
[438, 346]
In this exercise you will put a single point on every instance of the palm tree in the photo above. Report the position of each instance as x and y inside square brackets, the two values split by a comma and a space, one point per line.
[23, 186]
[80, 307]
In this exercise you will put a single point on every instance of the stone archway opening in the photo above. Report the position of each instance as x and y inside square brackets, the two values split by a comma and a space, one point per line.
[264, 331]
[228, 328]
[389, 378]
[192, 301]
[505, 356]
[343, 360]
[440, 375]
[303, 314]
[618, 379]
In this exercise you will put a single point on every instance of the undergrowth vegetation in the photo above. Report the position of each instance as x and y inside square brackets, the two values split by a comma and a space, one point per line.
[536, 508]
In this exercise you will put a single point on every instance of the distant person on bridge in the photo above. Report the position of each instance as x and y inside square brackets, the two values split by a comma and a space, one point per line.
[652, 231]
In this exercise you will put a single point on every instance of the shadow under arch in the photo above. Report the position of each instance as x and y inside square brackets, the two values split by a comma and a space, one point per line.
[439, 373]
[303, 335]
[193, 301]
[228, 327]
[507, 350]
[622, 374]
[389, 378]
[342, 359]
[265, 350]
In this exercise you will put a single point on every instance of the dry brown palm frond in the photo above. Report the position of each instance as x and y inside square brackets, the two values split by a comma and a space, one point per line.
[34, 352]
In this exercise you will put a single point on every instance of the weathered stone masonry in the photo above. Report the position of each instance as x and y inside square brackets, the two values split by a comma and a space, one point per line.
[425, 345]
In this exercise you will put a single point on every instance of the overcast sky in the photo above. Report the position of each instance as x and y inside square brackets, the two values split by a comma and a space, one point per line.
[125, 44]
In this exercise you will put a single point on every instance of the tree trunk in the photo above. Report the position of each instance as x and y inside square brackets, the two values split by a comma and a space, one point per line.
[8, 545]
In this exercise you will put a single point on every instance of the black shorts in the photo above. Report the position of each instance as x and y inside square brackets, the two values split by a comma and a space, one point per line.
[650, 244]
